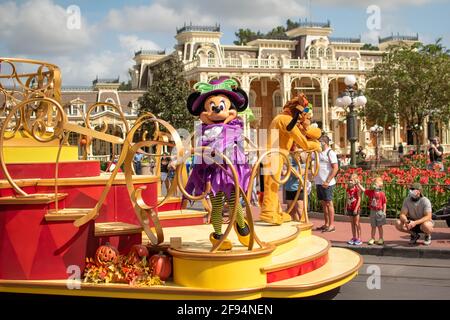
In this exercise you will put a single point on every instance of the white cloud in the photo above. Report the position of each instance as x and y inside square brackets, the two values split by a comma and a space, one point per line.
[87, 67]
[133, 43]
[106, 63]
[40, 27]
[386, 4]
[166, 15]
[37, 29]
[153, 17]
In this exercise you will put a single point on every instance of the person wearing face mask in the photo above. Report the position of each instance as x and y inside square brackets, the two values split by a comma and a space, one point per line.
[377, 207]
[435, 151]
[415, 216]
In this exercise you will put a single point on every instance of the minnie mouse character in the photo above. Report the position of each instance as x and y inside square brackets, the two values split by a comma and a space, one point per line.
[216, 104]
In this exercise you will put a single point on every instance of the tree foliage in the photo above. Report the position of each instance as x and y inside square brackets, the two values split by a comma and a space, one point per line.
[125, 86]
[368, 46]
[411, 83]
[246, 35]
[166, 97]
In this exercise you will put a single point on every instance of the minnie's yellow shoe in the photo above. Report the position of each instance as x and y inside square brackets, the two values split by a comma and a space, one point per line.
[226, 244]
[243, 234]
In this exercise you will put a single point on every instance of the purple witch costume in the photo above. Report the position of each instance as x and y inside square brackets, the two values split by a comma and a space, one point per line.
[227, 139]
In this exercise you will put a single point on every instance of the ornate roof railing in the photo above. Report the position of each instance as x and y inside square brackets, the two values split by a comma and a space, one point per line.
[270, 37]
[312, 24]
[345, 39]
[105, 80]
[154, 52]
[191, 27]
[398, 37]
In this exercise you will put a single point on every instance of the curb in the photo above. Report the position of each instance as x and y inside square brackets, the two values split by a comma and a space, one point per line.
[404, 252]
[390, 221]
[389, 249]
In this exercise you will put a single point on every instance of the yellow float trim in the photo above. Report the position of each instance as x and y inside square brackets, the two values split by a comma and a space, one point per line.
[298, 293]
[219, 274]
[23, 154]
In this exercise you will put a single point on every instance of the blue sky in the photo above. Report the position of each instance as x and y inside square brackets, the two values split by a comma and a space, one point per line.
[111, 30]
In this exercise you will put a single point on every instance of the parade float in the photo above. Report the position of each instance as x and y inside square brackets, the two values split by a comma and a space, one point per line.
[66, 228]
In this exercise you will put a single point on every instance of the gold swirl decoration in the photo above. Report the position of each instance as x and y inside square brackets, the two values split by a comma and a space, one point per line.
[290, 170]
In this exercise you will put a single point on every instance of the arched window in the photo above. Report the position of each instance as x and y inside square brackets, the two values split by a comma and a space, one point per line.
[99, 109]
[188, 50]
[312, 53]
[134, 107]
[329, 54]
[277, 99]
[321, 53]
[110, 100]
[73, 110]
[211, 54]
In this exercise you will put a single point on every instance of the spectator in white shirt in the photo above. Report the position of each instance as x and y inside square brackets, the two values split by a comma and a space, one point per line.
[325, 182]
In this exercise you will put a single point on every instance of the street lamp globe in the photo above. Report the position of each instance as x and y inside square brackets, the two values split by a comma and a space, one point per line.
[346, 100]
[350, 80]
[376, 129]
[339, 102]
[361, 101]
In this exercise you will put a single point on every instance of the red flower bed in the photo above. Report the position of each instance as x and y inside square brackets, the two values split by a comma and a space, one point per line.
[396, 183]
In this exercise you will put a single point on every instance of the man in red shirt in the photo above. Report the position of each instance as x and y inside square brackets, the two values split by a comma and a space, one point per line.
[377, 207]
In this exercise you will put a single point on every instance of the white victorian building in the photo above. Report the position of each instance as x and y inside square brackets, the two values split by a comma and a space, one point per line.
[271, 69]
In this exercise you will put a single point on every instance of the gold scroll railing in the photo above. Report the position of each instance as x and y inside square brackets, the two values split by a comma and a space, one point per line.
[303, 179]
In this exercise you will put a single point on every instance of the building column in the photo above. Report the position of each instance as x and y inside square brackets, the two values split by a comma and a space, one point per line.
[184, 52]
[203, 77]
[191, 51]
[324, 93]
[245, 85]
[285, 88]
[220, 57]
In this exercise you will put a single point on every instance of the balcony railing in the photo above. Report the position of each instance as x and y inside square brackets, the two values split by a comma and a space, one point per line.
[302, 64]
[212, 62]
[264, 63]
[257, 112]
[233, 62]
[188, 66]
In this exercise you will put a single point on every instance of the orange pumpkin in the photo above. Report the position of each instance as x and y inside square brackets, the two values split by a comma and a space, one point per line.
[106, 254]
[161, 266]
[83, 141]
[137, 252]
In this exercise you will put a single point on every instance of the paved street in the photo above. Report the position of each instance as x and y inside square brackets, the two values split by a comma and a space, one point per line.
[401, 278]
